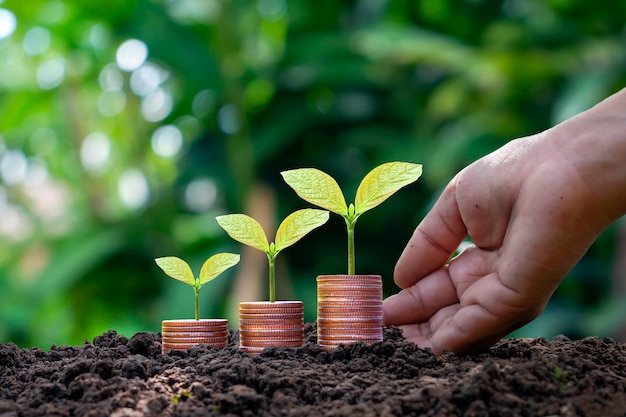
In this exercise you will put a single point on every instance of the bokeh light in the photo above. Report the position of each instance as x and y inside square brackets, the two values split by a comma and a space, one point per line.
[133, 189]
[8, 23]
[36, 41]
[131, 55]
[147, 79]
[203, 103]
[50, 73]
[167, 141]
[156, 106]
[200, 194]
[95, 152]
[111, 103]
[13, 167]
[228, 119]
[111, 78]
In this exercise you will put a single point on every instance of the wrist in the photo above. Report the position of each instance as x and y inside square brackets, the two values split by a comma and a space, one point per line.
[593, 143]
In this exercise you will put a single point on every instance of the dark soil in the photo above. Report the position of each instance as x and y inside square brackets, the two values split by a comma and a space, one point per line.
[117, 376]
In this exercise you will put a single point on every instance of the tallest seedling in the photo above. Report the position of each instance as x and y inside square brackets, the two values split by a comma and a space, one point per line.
[379, 184]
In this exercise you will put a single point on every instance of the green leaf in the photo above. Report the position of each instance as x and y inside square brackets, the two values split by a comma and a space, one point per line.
[317, 188]
[244, 229]
[298, 224]
[176, 268]
[217, 264]
[381, 182]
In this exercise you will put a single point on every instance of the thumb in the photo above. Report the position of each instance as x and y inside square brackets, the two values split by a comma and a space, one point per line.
[434, 240]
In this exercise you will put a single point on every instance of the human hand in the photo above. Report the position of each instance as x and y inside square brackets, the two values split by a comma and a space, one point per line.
[532, 209]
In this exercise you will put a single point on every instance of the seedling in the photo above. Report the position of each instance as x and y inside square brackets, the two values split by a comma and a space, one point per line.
[248, 231]
[181, 397]
[180, 270]
[379, 184]
[560, 376]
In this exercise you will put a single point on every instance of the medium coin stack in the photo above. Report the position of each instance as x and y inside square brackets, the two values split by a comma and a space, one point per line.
[266, 324]
[349, 309]
[183, 334]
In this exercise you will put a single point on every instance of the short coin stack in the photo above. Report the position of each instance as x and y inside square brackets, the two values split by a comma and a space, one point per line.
[270, 324]
[349, 309]
[183, 334]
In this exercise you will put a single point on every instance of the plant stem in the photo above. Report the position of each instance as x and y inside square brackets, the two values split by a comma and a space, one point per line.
[196, 292]
[351, 256]
[272, 261]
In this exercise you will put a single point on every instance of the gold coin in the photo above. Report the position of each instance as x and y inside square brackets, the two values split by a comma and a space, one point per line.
[340, 339]
[350, 325]
[194, 330]
[273, 321]
[349, 330]
[347, 297]
[347, 318]
[194, 334]
[265, 342]
[205, 323]
[271, 308]
[255, 316]
[217, 339]
[350, 303]
[376, 311]
[322, 321]
[252, 350]
[349, 338]
[202, 322]
[269, 332]
[287, 318]
[349, 278]
[348, 287]
[350, 299]
[349, 309]
[188, 345]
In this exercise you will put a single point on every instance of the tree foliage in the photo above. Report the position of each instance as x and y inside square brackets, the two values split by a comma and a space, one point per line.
[127, 126]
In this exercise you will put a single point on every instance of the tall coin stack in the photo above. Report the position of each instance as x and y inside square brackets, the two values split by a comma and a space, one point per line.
[349, 309]
[270, 324]
[183, 334]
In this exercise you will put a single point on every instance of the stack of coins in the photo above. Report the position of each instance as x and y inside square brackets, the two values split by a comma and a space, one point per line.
[183, 334]
[266, 324]
[349, 309]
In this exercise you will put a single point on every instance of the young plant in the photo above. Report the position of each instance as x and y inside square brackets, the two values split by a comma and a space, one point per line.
[379, 184]
[180, 270]
[248, 231]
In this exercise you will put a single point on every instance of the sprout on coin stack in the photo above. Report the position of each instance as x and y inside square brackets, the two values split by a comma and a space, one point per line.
[274, 323]
[349, 307]
[183, 334]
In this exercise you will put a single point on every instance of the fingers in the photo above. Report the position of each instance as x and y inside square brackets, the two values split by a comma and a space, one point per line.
[458, 330]
[420, 301]
[434, 240]
[462, 307]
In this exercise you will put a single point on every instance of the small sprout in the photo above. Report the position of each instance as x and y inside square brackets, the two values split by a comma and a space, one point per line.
[379, 184]
[181, 397]
[180, 270]
[246, 230]
[560, 376]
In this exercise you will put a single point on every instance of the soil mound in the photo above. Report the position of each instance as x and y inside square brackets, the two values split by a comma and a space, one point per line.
[116, 376]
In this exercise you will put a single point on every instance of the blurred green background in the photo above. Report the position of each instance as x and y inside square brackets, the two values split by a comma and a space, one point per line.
[127, 126]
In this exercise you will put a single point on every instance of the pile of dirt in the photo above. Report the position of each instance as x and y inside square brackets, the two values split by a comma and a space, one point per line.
[116, 376]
